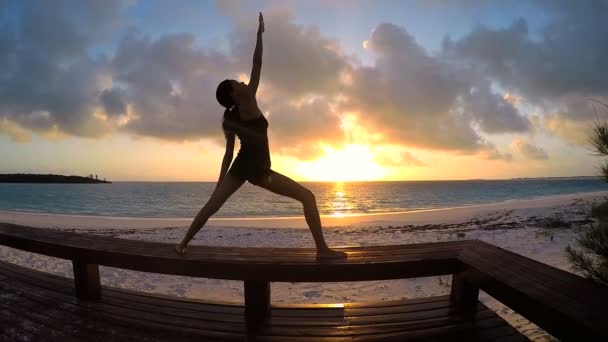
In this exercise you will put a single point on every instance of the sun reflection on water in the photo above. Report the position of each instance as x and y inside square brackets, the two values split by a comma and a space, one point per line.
[339, 202]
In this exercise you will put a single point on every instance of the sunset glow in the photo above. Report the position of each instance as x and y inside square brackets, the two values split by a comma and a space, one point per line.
[351, 163]
[352, 90]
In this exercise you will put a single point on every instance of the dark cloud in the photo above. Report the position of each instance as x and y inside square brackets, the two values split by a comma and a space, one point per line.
[493, 113]
[568, 59]
[49, 80]
[171, 84]
[114, 101]
[557, 71]
[420, 100]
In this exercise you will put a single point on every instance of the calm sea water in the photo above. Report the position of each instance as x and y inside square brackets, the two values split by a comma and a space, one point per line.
[184, 199]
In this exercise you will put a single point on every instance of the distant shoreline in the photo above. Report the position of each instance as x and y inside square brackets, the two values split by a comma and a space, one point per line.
[48, 178]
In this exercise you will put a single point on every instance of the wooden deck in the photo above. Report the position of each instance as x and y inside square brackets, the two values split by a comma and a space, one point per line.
[48, 307]
[37, 306]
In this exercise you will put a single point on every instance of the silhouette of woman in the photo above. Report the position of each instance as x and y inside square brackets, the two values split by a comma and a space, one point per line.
[243, 118]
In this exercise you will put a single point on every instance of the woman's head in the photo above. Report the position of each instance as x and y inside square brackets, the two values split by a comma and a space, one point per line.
[230, 92]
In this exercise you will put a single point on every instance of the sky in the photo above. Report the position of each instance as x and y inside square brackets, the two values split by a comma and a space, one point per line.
[352, 89]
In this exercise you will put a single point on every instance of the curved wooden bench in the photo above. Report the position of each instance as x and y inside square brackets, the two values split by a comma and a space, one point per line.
[473, 264]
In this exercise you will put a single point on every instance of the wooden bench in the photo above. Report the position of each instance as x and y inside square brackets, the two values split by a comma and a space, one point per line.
[38, 304]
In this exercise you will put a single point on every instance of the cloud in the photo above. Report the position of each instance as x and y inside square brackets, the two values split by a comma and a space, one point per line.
[163, 86]
[491, 152]
[296, 129]
[575, 132]
[566, 61]
[114, 101]
[14, 131]
[420, 100]
[170, 83]
[528, 150]
[48, 78]
[555, 70]
[493, 112]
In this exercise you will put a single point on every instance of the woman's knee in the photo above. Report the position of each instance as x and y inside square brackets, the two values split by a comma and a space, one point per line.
[307, 197]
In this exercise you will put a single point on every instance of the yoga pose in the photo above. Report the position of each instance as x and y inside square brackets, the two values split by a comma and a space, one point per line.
[244, 119]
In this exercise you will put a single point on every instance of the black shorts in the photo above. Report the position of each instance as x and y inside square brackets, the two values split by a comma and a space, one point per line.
[246, 170]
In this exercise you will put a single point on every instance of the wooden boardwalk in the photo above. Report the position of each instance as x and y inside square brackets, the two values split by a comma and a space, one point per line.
[36, 306]
[40, 306]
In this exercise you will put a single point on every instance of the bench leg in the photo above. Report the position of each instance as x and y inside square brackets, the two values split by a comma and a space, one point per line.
[257, 303]
[86, 280]
[464, 294]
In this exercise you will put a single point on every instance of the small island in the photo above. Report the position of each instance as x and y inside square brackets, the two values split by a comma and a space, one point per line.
[35, 178]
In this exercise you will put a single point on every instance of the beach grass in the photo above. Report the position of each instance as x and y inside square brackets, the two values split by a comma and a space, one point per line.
[600, 210]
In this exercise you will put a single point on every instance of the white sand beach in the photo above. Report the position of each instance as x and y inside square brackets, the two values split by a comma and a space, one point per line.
[520, 226]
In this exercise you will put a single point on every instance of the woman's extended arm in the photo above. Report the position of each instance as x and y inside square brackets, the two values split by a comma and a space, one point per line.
[227, 156]
[254, 80]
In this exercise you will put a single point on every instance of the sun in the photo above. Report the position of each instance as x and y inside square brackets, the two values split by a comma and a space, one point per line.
[352, 163]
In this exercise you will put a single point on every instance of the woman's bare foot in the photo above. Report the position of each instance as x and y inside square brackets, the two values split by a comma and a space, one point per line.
[330, 254]
[180, 250]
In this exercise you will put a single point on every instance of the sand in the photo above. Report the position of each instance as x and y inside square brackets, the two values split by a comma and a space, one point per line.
[520, 226]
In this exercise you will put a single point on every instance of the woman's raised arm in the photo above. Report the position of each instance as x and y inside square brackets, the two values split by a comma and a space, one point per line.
[254, 80]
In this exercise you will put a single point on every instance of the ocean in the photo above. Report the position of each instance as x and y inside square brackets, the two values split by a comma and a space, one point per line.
[184, 199]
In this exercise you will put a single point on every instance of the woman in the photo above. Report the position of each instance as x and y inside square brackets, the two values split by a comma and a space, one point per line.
[244, 119]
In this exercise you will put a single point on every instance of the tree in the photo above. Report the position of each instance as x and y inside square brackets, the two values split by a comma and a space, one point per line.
[592, 257]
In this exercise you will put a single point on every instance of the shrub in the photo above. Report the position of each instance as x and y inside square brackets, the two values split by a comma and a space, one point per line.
[600, 210]
[592, 258]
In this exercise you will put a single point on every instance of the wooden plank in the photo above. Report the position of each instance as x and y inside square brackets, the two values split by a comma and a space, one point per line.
[116, 315]
[111, 309]
[64, 315]
[33, 320]
[568, 282]
[65, 286]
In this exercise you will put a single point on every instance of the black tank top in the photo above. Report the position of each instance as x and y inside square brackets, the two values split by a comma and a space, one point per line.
[253, 135]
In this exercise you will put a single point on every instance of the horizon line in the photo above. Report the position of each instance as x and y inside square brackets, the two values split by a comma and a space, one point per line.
[370, 181]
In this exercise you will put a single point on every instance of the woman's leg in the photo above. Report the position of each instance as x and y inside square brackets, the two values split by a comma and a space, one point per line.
[283, 185]
[227, 187]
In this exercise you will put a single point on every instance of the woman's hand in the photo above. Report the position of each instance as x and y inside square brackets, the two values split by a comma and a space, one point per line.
[261, 27]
